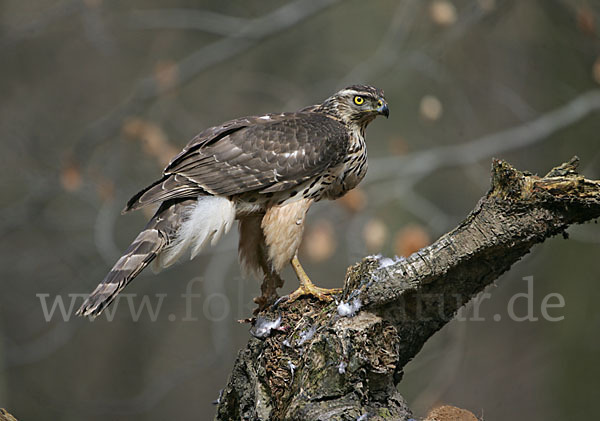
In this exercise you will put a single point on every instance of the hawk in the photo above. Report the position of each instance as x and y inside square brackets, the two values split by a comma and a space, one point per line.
[264, 171]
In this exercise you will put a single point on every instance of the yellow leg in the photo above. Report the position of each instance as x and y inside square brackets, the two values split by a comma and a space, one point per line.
[307, 287]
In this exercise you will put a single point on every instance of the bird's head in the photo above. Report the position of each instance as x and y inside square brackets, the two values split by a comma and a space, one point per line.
[356, 105]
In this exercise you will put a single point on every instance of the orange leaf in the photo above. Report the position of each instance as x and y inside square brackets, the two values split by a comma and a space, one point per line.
[319, 242]
[410, 239]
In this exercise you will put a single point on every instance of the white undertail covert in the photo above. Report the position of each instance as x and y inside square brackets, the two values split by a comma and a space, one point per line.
[207, 221]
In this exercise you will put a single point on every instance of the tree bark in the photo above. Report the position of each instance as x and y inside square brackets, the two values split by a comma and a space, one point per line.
[330, 361]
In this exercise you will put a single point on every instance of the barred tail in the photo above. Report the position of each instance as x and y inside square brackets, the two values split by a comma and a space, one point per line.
[175, 228]
[140, 253]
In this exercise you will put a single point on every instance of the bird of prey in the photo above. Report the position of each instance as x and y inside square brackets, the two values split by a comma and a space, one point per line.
[265, 171]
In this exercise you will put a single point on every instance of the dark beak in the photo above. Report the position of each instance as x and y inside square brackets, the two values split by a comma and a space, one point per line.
[384, 110]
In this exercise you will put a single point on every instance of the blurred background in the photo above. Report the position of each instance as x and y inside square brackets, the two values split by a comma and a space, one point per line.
[98, 95]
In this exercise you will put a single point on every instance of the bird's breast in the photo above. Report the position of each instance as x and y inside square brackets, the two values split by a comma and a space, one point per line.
[351, 172]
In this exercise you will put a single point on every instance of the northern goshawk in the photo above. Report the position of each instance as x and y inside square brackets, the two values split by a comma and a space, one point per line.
[265, 171]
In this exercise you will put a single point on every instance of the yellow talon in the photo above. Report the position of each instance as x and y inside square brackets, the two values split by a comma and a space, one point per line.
[307, 287]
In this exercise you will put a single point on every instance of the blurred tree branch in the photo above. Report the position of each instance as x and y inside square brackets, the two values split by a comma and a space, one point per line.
[148, 88]
[419, 164]
[321, 365]
[202, 20]
[33, 28]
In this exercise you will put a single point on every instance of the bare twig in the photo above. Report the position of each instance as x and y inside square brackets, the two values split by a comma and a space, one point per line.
[416, 165]
[203, 20]
[206, 57]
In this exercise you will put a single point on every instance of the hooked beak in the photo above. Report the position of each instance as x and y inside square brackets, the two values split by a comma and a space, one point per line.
[383, 109]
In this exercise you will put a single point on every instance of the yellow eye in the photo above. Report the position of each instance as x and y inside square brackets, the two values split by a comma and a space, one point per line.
[359, 100]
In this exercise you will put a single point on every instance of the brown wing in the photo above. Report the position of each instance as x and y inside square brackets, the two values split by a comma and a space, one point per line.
[251, 154]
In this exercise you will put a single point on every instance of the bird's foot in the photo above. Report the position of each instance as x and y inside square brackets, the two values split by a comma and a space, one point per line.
[311, 290]
[307, 287]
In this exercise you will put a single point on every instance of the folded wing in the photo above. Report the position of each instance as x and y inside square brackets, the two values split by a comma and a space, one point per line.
[263, 154]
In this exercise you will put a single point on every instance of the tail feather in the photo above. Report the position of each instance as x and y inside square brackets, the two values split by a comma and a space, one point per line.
[140, 253]
[175, 228]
